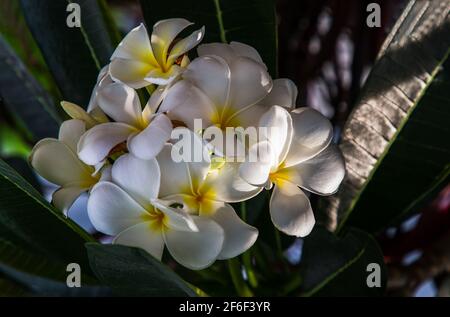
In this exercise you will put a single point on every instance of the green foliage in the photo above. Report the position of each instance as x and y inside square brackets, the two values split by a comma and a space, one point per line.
[396, 140]
[330, 262]
[22, 95]
[133, 272]
[73, 55]
[28, 217]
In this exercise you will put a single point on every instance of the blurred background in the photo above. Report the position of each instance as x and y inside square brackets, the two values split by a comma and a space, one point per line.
[327, 50]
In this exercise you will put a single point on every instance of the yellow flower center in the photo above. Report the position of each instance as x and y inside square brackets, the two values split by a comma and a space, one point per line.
[157, 220]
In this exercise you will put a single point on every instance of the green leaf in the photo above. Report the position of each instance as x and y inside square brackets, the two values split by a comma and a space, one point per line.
[24, 98]
[73, 55]
[252, 22]
[396, 141]
[27, 216]
[10, 288]
[133, 272]
[337, 266]
[41, 275]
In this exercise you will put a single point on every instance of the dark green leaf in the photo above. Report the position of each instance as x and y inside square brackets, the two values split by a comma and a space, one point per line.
[10, 288]
[133, 272]
[396, 141]
[252, 21]
[337, 266]
[26, 214]
[41, 275]
[24, 98]
[74, 55]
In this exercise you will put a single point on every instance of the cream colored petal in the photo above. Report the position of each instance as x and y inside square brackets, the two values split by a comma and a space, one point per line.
[175, 178]
[57, 163]
[64, 197]
[130, 72]
[241, 49]
[149, 142]
[222, 50]
[290, 210]
[212, 75]
[70, 133]
[226, 185]
[142, 236]
[238, 236]
[186, 44]
[95, 145]
[185, 102]
[111, 210]
[250, 82]
[277, 126]
[321, 174]
[135, 46]
[139, 178]
[284, 94]
[121, 103]
[312, 134]
[196, 250]
[164, 32]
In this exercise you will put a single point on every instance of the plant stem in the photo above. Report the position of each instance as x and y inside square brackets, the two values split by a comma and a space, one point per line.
[241, 287]
[247, 256]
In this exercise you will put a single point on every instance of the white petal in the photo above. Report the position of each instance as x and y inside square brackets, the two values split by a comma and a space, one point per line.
[135, 46]
[196, 250]
[185, 102]
[175, 178]
[64, 197]
[226, 185]
[241, 49]
[70, 133]
[111, 210]
[279, 132]
[212, 75]
[164, 32]
[95, 144]
[139, 178]
[103, 79]
[158, 77]
[121, 103]
[76, 112]
[130, 72]
[321, 174]
[250, 116]
[222, 50]
[239, 236]
[186, 44]
[284, 93]
[148, 143]
[247, 73]
[199, 159]
[290, 210]
[178, 218]
[312, 133]
[259, 162]
[140, 235]
[57, 163]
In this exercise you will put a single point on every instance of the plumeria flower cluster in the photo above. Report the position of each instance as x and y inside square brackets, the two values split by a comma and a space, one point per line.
[148, 189]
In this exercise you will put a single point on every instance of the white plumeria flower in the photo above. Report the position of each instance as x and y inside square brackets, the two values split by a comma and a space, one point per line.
[56, 160]
[229, 52]
[221, 94]
[129, 209]
[139, 61]
[206, 192]
[299, 155]
[144, 131]
[103, 79]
